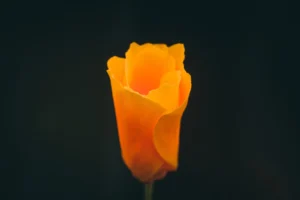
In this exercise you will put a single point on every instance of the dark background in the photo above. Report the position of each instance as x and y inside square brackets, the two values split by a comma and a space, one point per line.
[238, 138]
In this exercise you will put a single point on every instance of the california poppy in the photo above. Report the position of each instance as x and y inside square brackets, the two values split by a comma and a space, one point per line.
[150, 89]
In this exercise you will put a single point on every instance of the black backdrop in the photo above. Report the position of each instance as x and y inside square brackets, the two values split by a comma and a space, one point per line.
[238, 138]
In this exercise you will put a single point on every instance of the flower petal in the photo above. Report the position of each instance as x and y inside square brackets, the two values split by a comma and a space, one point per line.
[116, 66]
[177, 51]
[133, 50]
[167, 130]
[144, 72]
[162, 47]
[136, 119]
[184, 87]
[168, 93]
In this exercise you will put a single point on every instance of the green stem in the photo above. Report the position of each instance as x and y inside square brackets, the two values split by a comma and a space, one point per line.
[148, 191]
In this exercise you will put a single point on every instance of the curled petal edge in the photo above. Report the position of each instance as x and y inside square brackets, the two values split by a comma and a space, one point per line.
[167, 130]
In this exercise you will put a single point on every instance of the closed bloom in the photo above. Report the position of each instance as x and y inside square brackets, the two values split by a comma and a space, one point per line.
[150, 90]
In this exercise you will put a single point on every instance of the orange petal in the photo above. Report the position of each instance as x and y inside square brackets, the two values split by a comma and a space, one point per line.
[167, 130]
[162, 47]
[116, 66]
[168, 93]
[177, 51]
[144, 72]
[133, 49]
[184, 87]
[136, 118]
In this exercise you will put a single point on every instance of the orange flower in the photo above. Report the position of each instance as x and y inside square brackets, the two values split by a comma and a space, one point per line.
[150, 90]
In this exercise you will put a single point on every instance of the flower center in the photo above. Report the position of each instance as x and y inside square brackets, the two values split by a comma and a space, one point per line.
[145, 70]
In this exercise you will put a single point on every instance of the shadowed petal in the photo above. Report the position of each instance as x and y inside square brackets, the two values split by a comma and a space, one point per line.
[166, 134]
